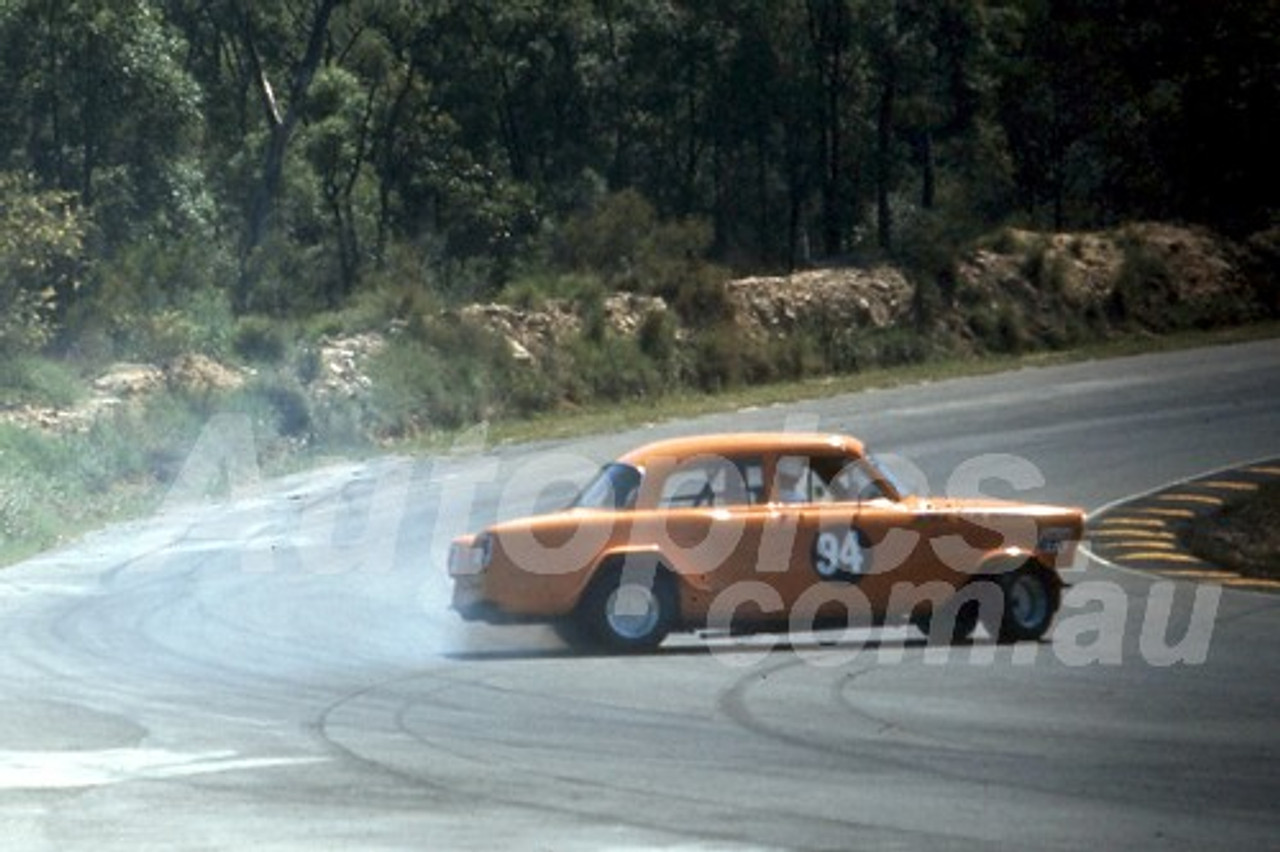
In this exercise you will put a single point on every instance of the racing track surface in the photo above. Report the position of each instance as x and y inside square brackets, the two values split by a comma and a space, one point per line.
[278, 670]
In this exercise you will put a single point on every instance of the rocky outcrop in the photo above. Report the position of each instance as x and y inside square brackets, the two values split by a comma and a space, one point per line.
[852, 298]
[123, 384]
[341, 364]
[1177, 264]
[530, 334]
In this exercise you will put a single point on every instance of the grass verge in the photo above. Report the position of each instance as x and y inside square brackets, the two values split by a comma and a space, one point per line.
[57, 486]
[598, 418]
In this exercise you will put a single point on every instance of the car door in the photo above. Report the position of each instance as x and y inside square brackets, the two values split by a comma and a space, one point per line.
[707, 524]
[854, 541]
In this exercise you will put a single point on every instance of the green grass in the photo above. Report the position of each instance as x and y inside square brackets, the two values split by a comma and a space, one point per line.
[54, 487]
[599, 418]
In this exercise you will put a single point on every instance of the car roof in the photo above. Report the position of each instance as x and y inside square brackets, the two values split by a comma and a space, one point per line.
[738, 443]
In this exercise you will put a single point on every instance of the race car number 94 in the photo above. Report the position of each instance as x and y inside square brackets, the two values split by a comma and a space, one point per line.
[839, 554]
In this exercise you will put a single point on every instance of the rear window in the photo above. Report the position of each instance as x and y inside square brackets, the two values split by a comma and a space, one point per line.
[614, 487]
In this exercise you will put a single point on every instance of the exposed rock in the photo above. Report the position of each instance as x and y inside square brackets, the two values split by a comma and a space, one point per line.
[342, 364]
[1086, 268]
[130, 380]
[530, 334]
[626, 312]
[201, 374]
[52, 419]
[124, 384]
[863, 298]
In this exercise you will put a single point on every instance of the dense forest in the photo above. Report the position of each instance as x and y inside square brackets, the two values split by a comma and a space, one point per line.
[285, 153]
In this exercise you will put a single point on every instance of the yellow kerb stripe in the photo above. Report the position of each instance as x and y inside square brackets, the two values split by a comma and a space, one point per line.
[1123, 521]
[1252, 582]
[1204, 574]
[1228, 485]
[1151, 545]
[1134, 532]
[1204, 499]
[1169, 513]
[1161, 556]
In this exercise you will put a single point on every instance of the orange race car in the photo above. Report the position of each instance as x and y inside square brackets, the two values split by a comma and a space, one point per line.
[760, 532]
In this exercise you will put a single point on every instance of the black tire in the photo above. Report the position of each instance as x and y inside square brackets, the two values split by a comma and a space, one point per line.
[626, 609]
[1031, 596]
[571, 631]
[952, 624]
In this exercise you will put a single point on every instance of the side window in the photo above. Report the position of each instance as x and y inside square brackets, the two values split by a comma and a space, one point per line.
[822, 479]
[796, 481]
[709, 481]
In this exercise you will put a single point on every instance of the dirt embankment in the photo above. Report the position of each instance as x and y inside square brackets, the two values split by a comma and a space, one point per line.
[1060, 289]
[1244, 536]
[1017, 291]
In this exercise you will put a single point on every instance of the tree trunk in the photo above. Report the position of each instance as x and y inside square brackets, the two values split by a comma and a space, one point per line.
[884, 162]
[281, 124]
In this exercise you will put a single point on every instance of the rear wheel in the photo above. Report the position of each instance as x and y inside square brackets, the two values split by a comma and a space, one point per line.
[626, 609]
[952, 623]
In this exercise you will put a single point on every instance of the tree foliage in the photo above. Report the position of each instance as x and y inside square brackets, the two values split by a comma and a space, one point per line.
[42, 247]
[315, 141]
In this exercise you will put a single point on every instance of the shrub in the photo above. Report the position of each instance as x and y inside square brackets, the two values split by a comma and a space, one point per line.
[613, 368]
[1141, 287]
[722, 359]
[1044, 268]
[42, 259]
[39, 381]
[260, 339]
[434, 380]
[610, 238]
[1001, 329]
[157, 299]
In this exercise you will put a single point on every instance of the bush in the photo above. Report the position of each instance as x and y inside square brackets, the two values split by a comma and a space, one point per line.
[1044, 268]
[612, 368]
[721, 359]
[533, 291]
[623, 243]
[1001, 329]
[445, 376]
[155, 300]
[260, 339]
[39, 381]
[42, 260]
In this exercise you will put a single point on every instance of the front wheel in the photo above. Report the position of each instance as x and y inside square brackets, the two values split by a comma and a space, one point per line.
[627, 609]
[1032, 595]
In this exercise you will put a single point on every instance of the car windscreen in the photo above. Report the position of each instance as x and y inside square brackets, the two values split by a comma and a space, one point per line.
[890, 475]
[614, 487]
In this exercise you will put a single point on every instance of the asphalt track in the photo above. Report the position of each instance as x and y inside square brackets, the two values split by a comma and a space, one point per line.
[276, 669]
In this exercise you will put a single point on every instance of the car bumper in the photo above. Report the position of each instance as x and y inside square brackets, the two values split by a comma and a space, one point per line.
[470, 603]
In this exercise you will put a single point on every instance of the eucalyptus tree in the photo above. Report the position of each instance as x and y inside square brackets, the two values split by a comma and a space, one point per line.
[94, 99]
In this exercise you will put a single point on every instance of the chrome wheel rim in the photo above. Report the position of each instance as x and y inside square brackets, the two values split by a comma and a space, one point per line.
[632, 611]
[1028, 601]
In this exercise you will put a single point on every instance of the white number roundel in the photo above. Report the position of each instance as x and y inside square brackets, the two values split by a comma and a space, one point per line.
[837, 553]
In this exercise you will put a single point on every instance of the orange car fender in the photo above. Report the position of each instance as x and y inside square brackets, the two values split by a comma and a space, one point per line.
[641, 555]
[995, 563]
